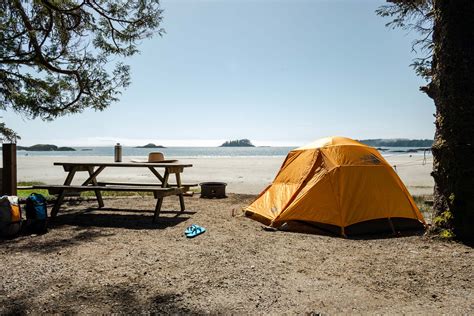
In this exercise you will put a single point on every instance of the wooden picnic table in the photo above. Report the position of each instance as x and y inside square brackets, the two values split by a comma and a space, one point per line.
[160, 189]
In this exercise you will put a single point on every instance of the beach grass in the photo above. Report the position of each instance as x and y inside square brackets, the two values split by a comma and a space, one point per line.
[24, 193]
[424, 203]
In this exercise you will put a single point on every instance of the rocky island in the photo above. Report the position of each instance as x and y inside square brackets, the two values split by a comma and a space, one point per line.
[150, 145]
[238, 143]
[398, 142]
[45, 147]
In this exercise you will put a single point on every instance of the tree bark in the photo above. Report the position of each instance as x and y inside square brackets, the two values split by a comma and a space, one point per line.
[452, 89]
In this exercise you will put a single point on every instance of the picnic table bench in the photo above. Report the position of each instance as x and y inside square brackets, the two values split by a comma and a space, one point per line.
[186, 186]
[160, 189]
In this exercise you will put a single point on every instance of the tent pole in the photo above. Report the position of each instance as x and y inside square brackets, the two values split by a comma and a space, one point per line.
[343, 233]
[391, 225]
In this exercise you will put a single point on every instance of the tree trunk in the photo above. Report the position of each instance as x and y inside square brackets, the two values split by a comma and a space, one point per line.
[452, 89]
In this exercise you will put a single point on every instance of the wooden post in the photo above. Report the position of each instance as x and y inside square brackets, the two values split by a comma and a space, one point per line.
[9, 177]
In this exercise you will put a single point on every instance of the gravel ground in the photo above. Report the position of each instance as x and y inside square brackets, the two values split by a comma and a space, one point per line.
[117, 261]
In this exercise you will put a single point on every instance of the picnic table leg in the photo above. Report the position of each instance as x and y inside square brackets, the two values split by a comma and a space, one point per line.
[157, 174]
[94, 182]
[160, 200]
[93, 176]
[61, 194]
[181, 198]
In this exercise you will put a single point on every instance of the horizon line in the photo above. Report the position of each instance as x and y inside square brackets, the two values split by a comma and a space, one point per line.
[134, 142]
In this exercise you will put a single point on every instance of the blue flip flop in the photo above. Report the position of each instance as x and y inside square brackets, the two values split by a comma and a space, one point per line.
[190, 229]
[194, 230]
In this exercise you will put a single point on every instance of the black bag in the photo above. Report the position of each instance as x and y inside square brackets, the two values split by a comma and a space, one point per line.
[36, 214]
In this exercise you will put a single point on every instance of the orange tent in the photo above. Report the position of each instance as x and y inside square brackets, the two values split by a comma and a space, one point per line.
[340, 185]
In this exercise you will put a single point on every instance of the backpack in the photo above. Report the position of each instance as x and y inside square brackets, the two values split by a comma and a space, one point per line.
[10, 216]
[36, 213]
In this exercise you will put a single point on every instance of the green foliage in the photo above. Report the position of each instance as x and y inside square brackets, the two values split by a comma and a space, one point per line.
[451, 198]
[55, 55]
[442, 225]
[425, 205]
[443, 218]
[443, 222]
[447, 234]
[27, 192]
[414, 15]
[7, 134]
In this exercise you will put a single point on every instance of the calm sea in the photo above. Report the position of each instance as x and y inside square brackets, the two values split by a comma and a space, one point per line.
[183, 152]
[168, 152]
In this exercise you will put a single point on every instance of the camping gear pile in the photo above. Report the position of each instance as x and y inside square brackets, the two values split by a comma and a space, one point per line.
[337, 185]
[11, 219]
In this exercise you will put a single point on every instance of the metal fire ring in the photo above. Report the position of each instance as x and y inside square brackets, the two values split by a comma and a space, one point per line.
[212, 190]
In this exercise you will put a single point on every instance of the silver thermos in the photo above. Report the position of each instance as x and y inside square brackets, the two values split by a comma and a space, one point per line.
[118, 153]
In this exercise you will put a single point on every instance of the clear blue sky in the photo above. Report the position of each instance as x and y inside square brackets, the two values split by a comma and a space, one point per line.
[276, 72]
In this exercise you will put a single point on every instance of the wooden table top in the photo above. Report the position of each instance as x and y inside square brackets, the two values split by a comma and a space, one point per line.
[124, 164]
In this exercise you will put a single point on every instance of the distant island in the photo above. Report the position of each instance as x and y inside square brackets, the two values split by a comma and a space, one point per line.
[45, 147]
[151, 145]
[398, 142]
[238, 143]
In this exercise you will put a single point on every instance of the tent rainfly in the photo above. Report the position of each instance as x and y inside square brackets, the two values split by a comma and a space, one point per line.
[339, 185]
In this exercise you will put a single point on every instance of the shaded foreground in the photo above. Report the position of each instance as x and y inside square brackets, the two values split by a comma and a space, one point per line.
[118, 261]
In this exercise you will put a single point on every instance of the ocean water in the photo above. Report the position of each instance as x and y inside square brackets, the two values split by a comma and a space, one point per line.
[183, 152]
[170, 152]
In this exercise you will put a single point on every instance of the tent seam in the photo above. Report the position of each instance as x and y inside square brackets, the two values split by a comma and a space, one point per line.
[302, 184]
[337, 197]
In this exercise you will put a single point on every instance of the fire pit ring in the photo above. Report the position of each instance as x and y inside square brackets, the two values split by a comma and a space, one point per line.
[210, 190]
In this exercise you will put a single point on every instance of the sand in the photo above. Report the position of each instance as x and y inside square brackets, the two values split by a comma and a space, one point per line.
[115, 260]
[246, 175]
[111, 261]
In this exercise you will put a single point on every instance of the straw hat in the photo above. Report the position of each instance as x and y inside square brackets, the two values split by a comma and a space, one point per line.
[156, 157]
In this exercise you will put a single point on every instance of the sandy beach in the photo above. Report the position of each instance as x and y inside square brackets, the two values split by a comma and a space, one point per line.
[187, 157]
[246, 175]
[115, 260]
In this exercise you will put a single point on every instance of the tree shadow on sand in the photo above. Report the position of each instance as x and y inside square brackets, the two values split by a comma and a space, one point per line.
[76, 236]
[70, 298]
[73, 227]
